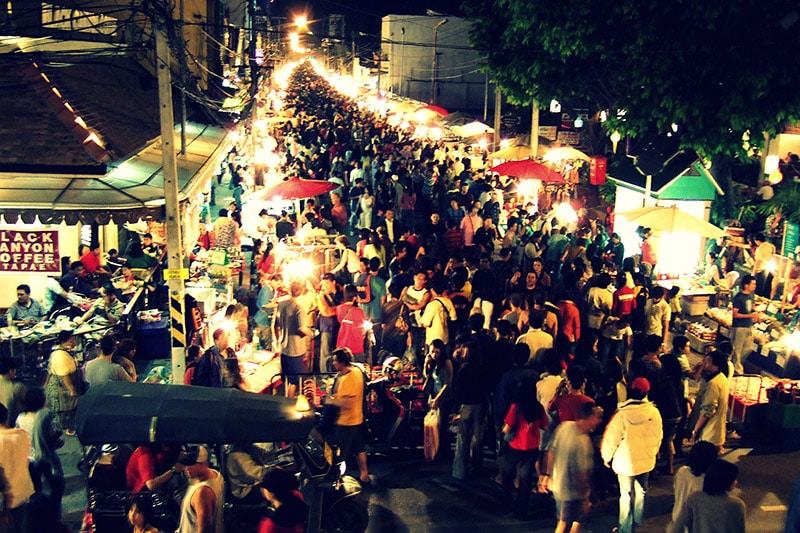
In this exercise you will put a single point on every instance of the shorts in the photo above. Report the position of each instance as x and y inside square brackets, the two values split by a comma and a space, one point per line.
[570, 511]
[292, 365]
[349, 439]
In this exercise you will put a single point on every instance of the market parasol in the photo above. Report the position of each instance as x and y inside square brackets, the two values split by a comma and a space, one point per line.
[528, 169]
[564, 153]
[671, 219]
[429, 112]
[512, 152]
[295, 189]
[435, 109]
[473, 128]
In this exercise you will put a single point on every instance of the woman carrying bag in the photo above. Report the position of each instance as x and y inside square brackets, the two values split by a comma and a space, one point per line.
[64, 382]
[438, 387]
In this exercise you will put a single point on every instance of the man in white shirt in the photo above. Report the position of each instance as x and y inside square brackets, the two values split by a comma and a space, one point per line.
[536, 339]
[658, 314]
[436, 315]
[761, 258]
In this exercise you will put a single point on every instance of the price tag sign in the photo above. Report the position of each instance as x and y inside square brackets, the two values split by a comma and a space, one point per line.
[176, 273]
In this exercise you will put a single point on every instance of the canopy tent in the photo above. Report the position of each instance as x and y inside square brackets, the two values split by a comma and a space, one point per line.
[472, 128]
[564, 153]
[671, 219]
[130, 190]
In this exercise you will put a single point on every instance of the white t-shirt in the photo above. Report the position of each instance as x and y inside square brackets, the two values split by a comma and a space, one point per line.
[62, 363]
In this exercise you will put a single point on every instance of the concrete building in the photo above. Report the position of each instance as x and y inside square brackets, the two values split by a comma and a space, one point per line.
[429, 58]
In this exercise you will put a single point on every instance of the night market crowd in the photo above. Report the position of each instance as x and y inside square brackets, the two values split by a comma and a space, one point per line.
[537, 339]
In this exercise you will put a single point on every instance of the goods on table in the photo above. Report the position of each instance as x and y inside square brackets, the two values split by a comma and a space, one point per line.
[702, 331]
[723, 316]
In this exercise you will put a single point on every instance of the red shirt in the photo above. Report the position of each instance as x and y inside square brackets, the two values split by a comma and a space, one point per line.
[526, 434]
[141, 468]
[570, 323]
[624, 301]
[290, 513]
[648, 254]
[351, 331]
[568, 405]
[90, 262]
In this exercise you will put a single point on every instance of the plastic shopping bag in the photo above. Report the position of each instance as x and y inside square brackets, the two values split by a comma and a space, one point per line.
[431, 434]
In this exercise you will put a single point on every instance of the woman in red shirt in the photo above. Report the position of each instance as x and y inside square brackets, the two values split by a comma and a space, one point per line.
[521, 429]
[289, 513]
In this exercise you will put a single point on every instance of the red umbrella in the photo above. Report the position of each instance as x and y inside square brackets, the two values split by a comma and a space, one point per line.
[528, 169]
[435, 109]
[296, 189]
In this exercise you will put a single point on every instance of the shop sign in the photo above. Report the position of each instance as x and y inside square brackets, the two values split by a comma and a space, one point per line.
[176, 273]
[571, 138]
[548, 132]
[29, 251]
[791, 240]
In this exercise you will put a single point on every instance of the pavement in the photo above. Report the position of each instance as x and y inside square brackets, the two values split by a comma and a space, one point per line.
[412, 495]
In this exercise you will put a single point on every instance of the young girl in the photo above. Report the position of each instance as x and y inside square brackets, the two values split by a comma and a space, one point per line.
[521, 428]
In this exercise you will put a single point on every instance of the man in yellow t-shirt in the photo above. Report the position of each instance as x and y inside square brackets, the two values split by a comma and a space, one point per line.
[348, 395]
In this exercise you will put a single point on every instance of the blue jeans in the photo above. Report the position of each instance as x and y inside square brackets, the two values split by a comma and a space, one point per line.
[630, 515]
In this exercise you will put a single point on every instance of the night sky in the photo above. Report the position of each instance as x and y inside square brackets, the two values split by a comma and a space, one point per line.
[363, 15]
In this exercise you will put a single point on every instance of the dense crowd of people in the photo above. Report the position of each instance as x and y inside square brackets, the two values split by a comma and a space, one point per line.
[526, 328]
[536, 337]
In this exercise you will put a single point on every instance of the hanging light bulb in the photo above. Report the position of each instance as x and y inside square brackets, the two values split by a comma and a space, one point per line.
[578, 122]
[555, 106]
[615, 138]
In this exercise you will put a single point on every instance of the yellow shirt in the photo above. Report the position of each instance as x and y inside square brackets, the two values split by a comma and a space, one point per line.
[350, 389]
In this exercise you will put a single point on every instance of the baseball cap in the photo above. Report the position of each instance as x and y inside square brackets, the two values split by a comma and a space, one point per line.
[641, 384]
[194, 455]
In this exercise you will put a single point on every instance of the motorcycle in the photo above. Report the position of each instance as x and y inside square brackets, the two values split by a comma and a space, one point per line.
[135, 413]
[395, 408]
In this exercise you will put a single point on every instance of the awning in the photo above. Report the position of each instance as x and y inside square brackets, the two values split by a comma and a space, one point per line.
[130, 190]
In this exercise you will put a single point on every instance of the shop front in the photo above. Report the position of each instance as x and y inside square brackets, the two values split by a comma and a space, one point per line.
[45, 219]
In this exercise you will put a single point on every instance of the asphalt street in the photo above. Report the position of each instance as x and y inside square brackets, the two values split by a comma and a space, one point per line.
[412, 495]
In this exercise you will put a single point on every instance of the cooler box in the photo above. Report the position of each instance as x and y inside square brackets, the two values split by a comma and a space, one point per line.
[695, 305]
[153, 340]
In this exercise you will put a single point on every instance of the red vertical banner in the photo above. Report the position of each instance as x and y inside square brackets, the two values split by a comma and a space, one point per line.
[597, 170]
[29, 251]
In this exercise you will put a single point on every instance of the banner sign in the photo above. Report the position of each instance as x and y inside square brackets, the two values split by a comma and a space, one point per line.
[29, 251]
[791, 240]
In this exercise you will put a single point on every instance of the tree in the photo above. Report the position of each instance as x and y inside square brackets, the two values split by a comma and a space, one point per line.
[718, 70]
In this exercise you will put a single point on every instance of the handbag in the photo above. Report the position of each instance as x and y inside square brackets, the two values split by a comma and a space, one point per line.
[80, 381]
[401, 324]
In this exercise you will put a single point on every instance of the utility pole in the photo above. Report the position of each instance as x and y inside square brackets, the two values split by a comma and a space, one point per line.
[534, 129]
[498, 112]
[435, 65]
[182, 11]
[175, 258]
